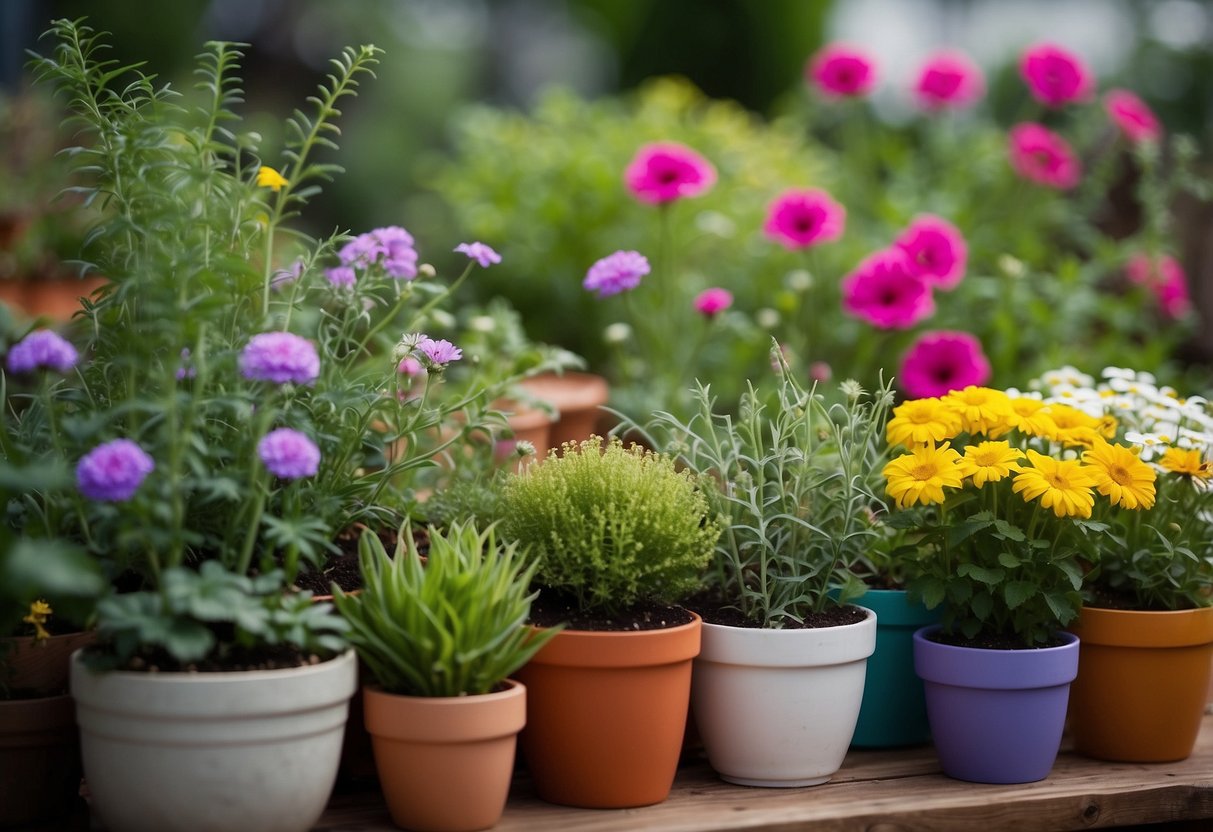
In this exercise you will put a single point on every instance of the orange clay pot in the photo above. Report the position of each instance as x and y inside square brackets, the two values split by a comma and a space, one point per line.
[59, 300]
[445, 763]
[606, 713]
[1142, 683]
[576, 397]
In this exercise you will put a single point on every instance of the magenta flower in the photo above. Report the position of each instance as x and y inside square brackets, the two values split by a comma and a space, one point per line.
[615, 273]
[820, 371]
[1132, 115]
[280, 357]
[439, 353]
[482, 254]
[410, 367]
[1164, 277]
[711, 302]
[841, 71]
[1054, 75]
[666, 171]
[42, 348]
[799, 218]
[941, 361]
[341, 276]
[886, 292]
[390, 247]
[1040, 155]
[289, 454]
[113, 471]
[936, 250]
[949, 80]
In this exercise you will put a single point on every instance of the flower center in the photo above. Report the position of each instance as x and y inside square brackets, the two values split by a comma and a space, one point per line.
[1120, 475]
[923, 471]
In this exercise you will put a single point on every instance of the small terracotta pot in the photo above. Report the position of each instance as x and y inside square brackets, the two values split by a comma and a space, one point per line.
[41, 667]
[39, 760]
[445, 763]
[59, 300]
[576, 396]
[606, 713]
[1142, 683]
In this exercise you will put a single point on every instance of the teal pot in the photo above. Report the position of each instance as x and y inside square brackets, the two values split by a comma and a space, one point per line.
[894, 710]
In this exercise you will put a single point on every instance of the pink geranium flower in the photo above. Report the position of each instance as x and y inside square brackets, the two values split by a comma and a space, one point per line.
[886, 292]
[941, 361]
[948, 79]
[1042, 156]
[841, 71]
[1132, 115]
[799, 218]
[711, 302]
[1054, 75]
[1164, 277]
[936, 250]
[666, 171]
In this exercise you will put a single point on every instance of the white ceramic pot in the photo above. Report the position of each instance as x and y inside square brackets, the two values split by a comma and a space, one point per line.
[212, 752]
[777, 708]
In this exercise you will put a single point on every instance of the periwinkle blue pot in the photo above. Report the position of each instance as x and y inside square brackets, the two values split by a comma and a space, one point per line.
[894, 709]
[996, 715]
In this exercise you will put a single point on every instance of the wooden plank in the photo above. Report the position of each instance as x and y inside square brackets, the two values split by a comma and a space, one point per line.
[876, 791]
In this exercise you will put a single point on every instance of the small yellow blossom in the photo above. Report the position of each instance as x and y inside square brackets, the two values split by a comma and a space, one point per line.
[989, 462]
[1030, 417]
[39, 612]
[981, 409]
[267, 177]
[1121, 476]
[1187, 462]
[1062, 485]
[922, 420]
[1073, 427]
[921, 475]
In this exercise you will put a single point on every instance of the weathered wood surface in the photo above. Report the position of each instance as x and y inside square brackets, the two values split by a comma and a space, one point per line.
[876, 791]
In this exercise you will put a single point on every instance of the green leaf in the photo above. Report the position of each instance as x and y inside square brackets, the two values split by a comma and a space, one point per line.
[1009, 531]
[1016, 592]
[987, 576]
[982, 605]
[1008, 560]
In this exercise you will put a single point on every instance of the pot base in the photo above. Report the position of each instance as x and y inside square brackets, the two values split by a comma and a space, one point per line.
[774, 784]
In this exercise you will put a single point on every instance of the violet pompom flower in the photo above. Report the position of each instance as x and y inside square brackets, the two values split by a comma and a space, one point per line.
[186, 368]
[113, 471]
[1054, 75]
[342, 277]
[615, 273]
[936, 250]
[886, 292]
[841, 71]
[42, 348]
[711, 302]
[1165, 277]
[1133, 116]
[667, 171]
[439, 353]
[941, 361]
[948, 80]
[482, 254]
[1040, 155]
[802, 217]
[390, 247]
[289, 454]
[280, 357]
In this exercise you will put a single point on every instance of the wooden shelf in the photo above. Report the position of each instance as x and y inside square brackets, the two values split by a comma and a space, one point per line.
[885, 790]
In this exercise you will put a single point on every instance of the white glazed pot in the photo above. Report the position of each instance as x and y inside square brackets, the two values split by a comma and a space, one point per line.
[212, 752]
[777, 708]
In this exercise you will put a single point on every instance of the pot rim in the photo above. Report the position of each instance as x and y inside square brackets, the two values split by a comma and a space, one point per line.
[621, 648]
[1144, 628]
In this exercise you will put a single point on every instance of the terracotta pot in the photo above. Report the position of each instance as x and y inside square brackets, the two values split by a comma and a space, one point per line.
[606, 713]
[59, 300]
[445, 763]
[525, 423]
[39, 760]
[41, 668]
[12, 294]
[576, 396]
[1142, 683]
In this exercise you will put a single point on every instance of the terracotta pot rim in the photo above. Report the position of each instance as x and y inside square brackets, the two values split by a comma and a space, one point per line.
[445, 719]
[621, 648]
[1145, 628]
[569, 390]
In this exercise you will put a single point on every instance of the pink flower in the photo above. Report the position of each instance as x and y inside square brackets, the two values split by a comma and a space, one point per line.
[711, 302]
[1165, 277]
[1132, 115]
[482, 254]
[886, 292]
[410, 367]
[439, 353]
[941, 361]
[615, 273]
[840, 71]
[820, 371]
[1054, 75]
[1042, 156]
[666, 171]
[799, 218]
[936, 250]
[949, 79]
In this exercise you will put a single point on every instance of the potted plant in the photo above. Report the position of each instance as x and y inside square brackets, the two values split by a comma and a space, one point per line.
[778, 682]
[618, 535]
[439, 640]
[1146, 625]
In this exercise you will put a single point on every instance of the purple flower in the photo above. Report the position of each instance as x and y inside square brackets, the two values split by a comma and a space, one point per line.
[42, 348]
[287, 276]
[289, 454]
[280, 357]
[113, 471]
[482, 254]
[341, 276]
[185, 369]
[616, 273]
[390, 247]
[410, 367]
[439, 353]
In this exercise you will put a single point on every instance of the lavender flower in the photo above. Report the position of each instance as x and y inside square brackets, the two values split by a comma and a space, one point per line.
[341, 276]
[618, 272]
[185, 369]
[113, 471]
[439, 353]
[482, 254]
[289, 454]
[42, 348]
[284, 277]
[391, 247]
[280, 357]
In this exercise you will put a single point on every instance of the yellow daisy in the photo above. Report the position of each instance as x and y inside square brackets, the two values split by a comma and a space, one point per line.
[981, 409]
[1062, 485]
[922, 420]
[921, 475]
[1121, 476]
[1030, 417]
[989, 462]
[1073, 427]
[39, 612]
[267, 177]
[1187, 462]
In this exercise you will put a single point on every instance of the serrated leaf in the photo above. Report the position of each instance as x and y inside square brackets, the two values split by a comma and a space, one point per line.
[984, 574]
[1017, 592]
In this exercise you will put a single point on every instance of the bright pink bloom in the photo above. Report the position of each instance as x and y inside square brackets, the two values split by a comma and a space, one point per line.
[711, 302]
[1165, 278]
[886, 292]
[840, 71]
[799, 218]
[1054, 75]
[936, 250]
[941, 361]
[1042, 156]
[410, 367]
[820, 371]
[1132, 115]
[667, 171]
[949, 79]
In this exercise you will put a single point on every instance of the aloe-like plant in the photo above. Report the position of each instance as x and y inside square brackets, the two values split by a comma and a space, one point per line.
[451, 626]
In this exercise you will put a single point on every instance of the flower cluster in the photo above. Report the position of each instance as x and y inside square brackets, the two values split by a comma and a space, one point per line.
[390, 248]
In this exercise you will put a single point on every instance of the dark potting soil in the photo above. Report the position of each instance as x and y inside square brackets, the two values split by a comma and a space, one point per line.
[715, 611]
[550, 609]
[991, 642]
[1108, 598]
[343, 569]
[275, 657]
